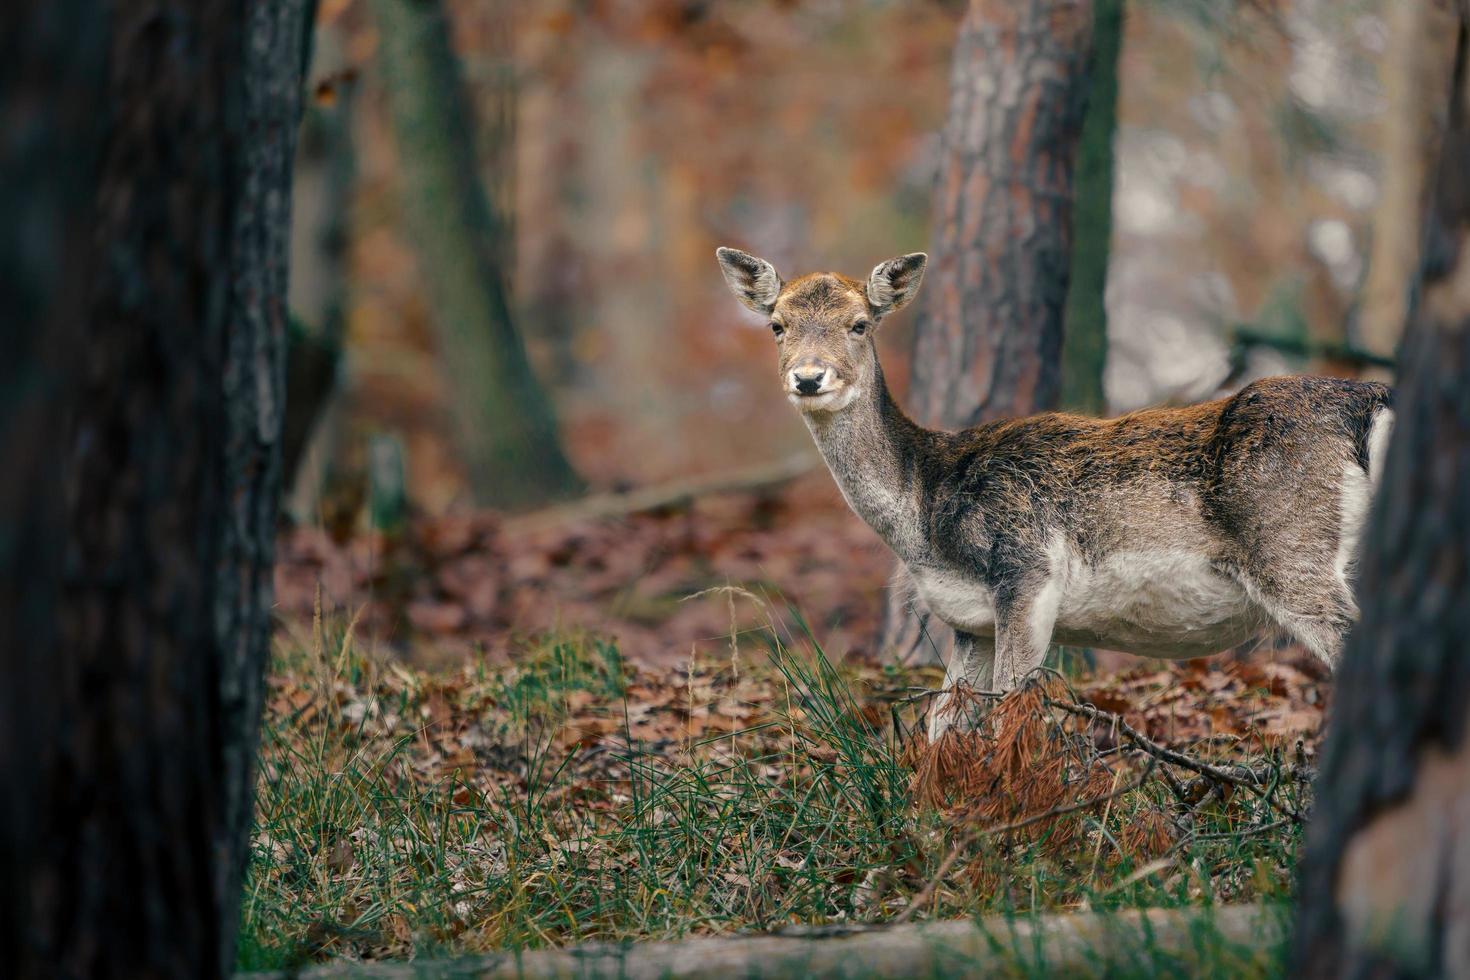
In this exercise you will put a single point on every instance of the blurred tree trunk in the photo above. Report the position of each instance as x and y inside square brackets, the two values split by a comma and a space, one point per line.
[499, 104]
[1085, 341]
[53, 71]
[143, 710]
[507, 429]
[1420, 56]
[624, 225]
[1386, 876]
[322, 192]
[552, 155]
[988, 340]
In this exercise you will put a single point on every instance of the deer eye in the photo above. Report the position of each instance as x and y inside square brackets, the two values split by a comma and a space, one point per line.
[861, 327]
[777, 329]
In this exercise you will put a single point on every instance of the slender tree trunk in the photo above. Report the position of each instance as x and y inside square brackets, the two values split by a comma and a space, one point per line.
[1085, 344]
[507, 429]
[1385, 884]
[322, 191]
[500, 102]
[988, 340]
[149, 696]
[1419, 60]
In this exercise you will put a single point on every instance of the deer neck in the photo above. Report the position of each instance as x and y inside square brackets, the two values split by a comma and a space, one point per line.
[875, 454]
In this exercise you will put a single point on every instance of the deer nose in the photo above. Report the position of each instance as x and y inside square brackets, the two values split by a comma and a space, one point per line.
[808, 378]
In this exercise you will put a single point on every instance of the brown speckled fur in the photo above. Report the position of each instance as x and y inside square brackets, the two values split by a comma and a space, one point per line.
[1251, 488]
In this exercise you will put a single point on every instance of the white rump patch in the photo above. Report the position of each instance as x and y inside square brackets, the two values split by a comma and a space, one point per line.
[1357, 494]
[1378, 435]
[1352, 511]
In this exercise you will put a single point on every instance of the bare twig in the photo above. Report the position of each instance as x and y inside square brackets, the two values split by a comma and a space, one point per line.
[1238, 776]
[930, 692]
[1242, 776]
[1264, 828]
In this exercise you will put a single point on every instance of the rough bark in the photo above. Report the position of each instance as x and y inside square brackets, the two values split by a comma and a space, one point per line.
[1386, 878]
[253, 393]
[148, 699]
[507, 429]
[1085, 344]
[988, 339]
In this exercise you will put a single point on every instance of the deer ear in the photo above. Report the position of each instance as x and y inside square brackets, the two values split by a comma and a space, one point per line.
[753, 281]
[894, 283]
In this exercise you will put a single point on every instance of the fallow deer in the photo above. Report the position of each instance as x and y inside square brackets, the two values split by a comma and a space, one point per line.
[1168, 532]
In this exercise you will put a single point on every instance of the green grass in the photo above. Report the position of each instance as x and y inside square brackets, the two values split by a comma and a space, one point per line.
[402, 813]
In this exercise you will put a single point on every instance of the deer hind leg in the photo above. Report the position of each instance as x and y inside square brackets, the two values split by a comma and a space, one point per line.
[1023, 631]
[1317, 609]
[1323, 633]
[971, 664]
[1306, 583]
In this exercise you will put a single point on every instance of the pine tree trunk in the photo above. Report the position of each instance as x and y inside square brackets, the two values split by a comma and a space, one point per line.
[1385, 881]
[507, 429]
[988, 339]
[143, 711]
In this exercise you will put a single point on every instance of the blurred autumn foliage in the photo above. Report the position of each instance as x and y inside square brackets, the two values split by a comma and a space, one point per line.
[640, 136]
[647, 133]
[456, 585]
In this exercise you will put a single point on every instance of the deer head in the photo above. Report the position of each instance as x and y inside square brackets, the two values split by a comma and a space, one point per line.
[823, 322]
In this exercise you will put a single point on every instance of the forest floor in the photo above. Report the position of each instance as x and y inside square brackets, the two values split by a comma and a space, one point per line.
[646, 766]
[478, 584]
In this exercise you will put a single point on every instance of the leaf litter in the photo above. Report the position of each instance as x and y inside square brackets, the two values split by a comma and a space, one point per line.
[557, 791]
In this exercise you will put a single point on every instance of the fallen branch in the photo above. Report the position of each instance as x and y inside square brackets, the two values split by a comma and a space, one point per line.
[1248, 337]
[679, 493]
[1089, 944]
[1236, 776]
[1242, 776]
[1264, 828]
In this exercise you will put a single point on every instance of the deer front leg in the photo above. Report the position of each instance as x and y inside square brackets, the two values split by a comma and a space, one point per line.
[971, 663]
[1023, 628]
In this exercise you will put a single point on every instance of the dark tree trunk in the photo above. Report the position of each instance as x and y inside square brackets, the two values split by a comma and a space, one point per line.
[148, 700]
[988, 340]
[53, 73]
[1385, 882]
[254, 389]
[506, 426]
[1085, 346]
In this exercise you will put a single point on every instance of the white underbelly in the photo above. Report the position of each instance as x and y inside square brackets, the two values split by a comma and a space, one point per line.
[1163, 604]
[957, 599]
[1170, 605]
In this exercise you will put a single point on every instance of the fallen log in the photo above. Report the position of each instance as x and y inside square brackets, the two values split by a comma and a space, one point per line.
[1194, 940]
